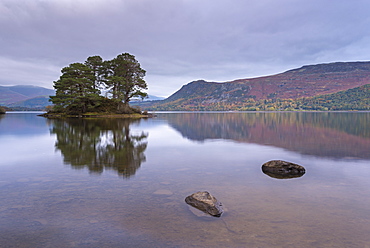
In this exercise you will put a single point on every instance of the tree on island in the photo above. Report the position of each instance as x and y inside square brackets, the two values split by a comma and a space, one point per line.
[2, 110]
[75, 89]
[79, 88]
[95, 63]
[124, 76]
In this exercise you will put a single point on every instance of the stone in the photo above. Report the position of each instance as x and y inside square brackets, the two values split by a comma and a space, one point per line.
[283, 170]
[205, 202]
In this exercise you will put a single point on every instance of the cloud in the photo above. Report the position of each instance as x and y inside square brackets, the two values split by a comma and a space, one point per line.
[177, 41]
[27, 72]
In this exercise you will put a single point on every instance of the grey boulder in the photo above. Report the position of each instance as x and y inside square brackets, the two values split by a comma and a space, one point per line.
[205, 202]
[282, 169]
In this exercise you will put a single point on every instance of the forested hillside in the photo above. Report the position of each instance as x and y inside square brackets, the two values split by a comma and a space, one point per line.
[353, 99]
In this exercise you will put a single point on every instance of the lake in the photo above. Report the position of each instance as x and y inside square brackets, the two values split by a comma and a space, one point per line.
[122, 183]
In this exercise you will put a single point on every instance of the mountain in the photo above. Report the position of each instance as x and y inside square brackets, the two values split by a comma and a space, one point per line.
[285, 90]
[13, 95]
[39, 102]
[154, 98]
[150, 98]
[306, 81]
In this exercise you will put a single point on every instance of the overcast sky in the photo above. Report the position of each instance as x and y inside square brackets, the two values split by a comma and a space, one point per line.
[178, 41]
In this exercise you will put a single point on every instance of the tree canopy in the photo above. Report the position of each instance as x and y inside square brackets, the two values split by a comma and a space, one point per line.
[80, 87]
[124, 76]
[2, 110]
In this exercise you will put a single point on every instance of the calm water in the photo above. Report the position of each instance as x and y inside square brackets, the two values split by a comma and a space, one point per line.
[121, 183]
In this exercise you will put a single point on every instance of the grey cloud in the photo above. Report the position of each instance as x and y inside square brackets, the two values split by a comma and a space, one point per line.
[177, 41]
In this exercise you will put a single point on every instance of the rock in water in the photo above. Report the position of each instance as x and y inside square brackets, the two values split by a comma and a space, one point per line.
[205, 202]
[282, 169]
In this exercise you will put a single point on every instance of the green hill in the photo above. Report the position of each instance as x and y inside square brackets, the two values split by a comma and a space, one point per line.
[353, 99]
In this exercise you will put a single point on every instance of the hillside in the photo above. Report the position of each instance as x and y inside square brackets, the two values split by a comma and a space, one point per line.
[39, 102]
[289, 88]
[353, 99]
[9, 95]
[150, 98]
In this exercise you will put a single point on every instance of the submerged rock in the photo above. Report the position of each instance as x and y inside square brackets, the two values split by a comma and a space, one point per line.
[282, 169]
[205, 202]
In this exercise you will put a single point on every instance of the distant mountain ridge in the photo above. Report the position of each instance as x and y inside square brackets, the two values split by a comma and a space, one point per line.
[304, 82]
[13, 95]
[150, 98]
[39, 102]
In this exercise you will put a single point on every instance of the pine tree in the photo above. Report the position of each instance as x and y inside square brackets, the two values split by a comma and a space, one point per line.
[124, 77]
[75, 89]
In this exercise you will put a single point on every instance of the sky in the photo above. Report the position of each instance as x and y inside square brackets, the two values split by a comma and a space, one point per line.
[179, 41]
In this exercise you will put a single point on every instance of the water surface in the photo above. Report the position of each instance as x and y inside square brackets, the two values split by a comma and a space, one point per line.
[122, 183]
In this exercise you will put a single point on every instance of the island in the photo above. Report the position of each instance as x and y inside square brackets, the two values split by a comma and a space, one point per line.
[98, 88]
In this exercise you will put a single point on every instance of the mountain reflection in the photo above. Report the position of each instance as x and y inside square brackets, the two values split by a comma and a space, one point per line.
[99, 144]
[327, 134]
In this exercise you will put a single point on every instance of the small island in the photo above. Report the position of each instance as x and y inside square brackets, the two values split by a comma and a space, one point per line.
[98, 88]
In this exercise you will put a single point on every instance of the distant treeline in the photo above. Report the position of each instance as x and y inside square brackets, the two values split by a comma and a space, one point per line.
[22, 108]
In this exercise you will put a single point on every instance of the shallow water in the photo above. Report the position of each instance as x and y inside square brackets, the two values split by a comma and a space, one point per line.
[119, 183]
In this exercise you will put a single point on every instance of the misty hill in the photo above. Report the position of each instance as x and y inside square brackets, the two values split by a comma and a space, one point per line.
[39, 102]
[149, 98]
[9, 95]
[277, 92]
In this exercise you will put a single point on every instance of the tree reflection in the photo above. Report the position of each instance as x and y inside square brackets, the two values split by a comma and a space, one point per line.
[100, 144]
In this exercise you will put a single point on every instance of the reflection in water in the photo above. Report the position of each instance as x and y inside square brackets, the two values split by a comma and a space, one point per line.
[281, 176]
[327, 134]
[100, 144]
[19, 124]
[46, 205]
